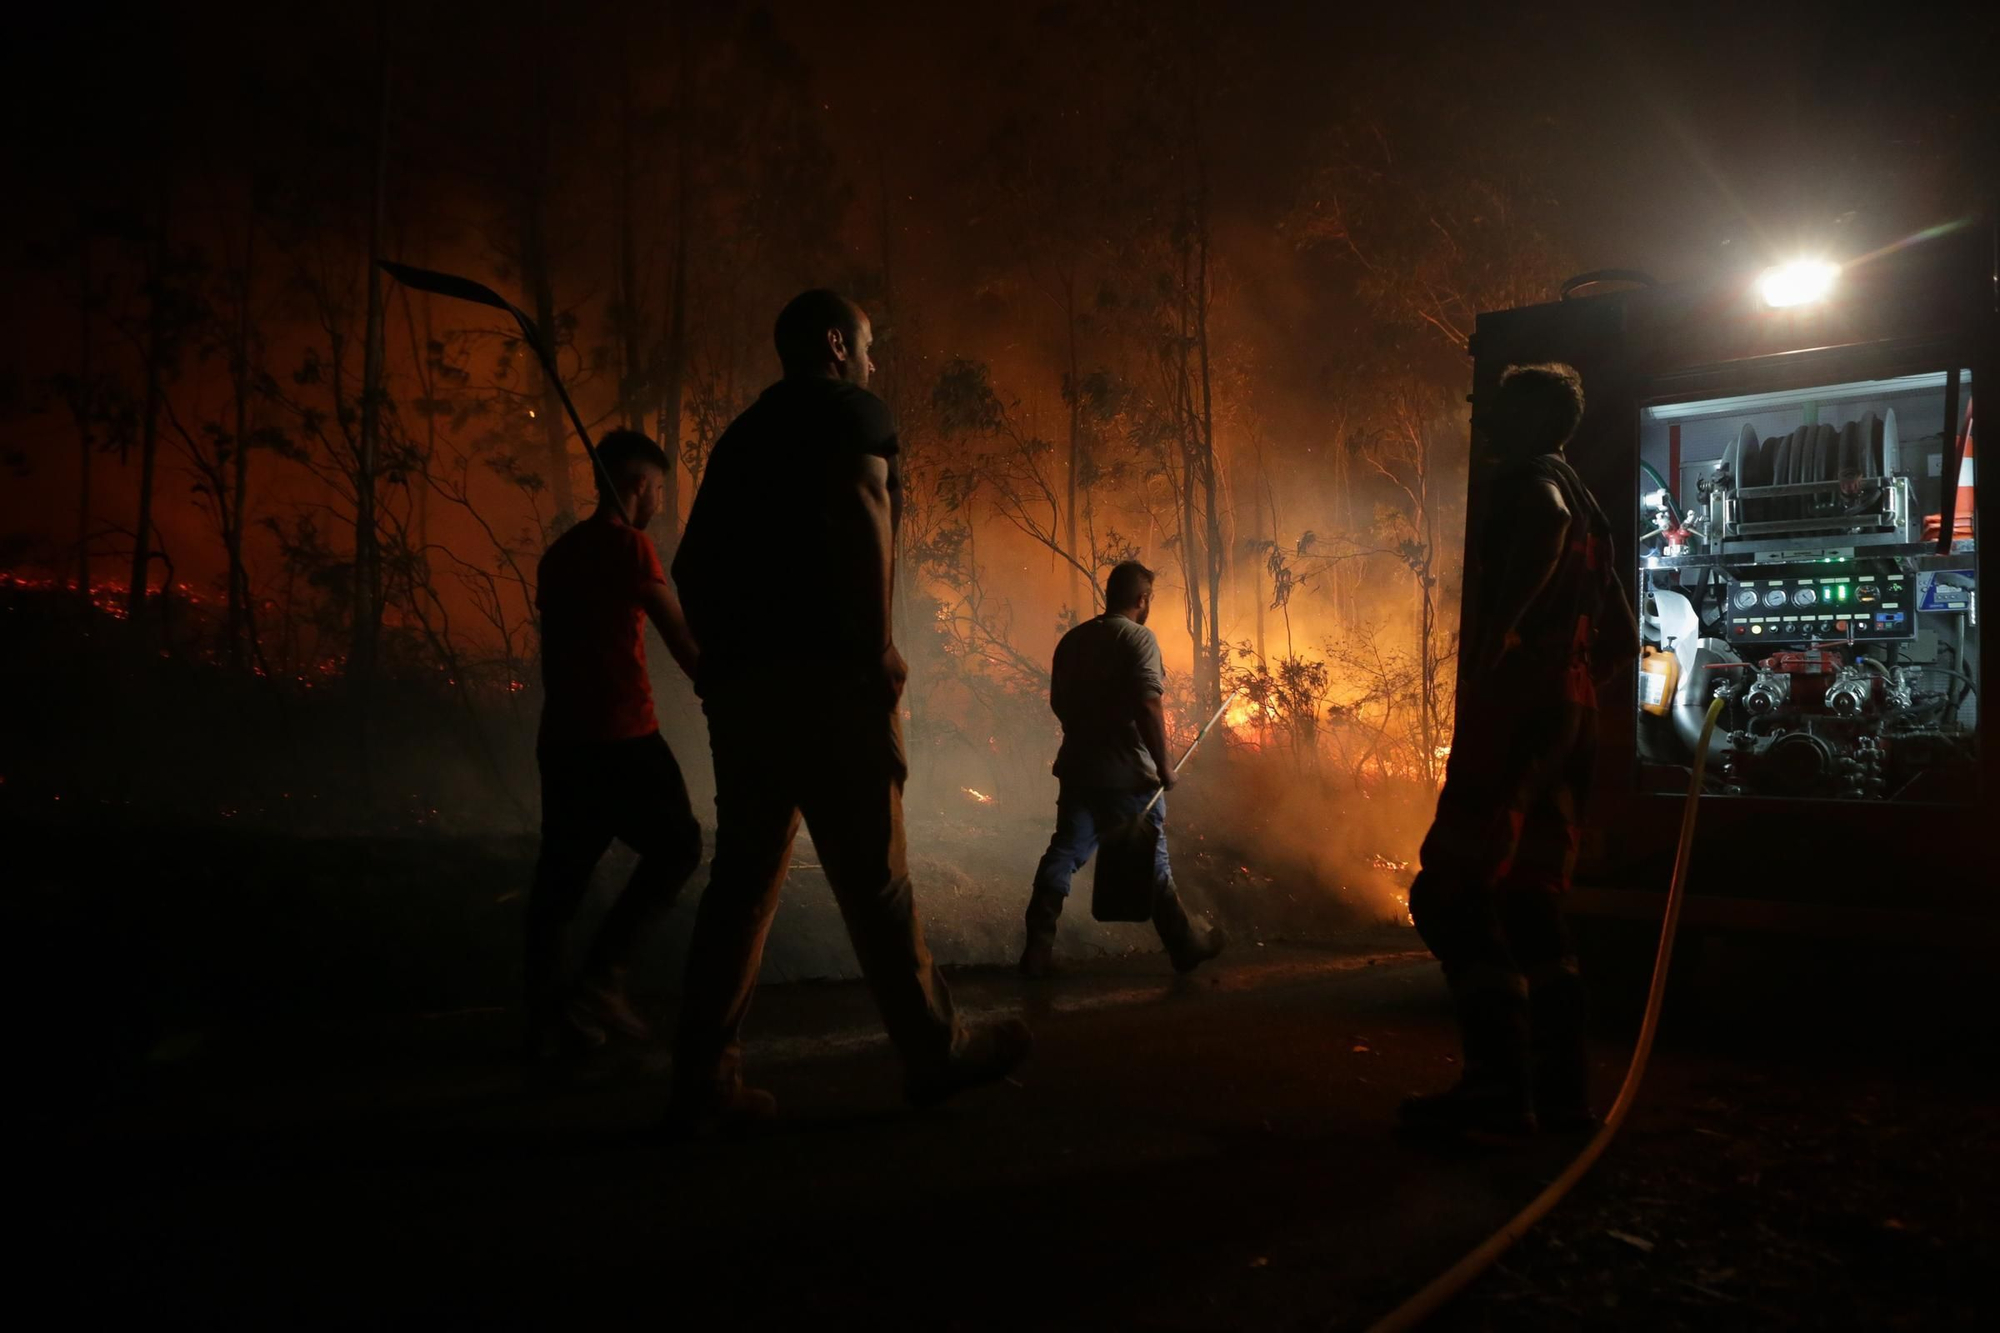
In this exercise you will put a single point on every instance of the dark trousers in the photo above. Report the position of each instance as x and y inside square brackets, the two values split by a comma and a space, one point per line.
[1500, 852]
[630, 790]
[1083, 816]
[837, 761]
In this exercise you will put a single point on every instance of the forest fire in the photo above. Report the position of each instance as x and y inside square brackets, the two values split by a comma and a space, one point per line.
[979, 797]
[1247, 719]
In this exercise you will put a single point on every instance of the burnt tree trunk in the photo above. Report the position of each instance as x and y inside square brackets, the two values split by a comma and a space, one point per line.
[85, 406]
[1075, 396]
[149, 430]
[367, 543]
[673, 376]
[633, 386]
[1209, 685]
[238, 622]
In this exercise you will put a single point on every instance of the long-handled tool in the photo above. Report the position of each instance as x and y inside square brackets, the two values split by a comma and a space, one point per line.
[465, 289]
[1124, 888]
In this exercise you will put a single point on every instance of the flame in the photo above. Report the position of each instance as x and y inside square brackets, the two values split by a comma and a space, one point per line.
[1246, 720]
[978, 796]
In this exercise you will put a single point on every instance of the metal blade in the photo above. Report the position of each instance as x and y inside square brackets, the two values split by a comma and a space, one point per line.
[446, 284]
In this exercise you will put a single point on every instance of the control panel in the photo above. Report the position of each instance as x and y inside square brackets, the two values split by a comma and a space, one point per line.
[1810, 606]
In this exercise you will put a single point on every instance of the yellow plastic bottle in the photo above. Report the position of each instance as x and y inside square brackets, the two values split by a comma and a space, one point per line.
[1659, 673]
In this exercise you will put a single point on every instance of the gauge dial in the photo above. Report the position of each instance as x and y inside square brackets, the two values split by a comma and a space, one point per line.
[1775, 597]
[1804, 597]
[1745, 599]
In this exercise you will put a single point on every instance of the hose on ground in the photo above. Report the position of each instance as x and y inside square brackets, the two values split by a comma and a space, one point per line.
[1433, 1296]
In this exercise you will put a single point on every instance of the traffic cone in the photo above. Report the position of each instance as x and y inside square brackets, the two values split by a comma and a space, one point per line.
[1962, 509]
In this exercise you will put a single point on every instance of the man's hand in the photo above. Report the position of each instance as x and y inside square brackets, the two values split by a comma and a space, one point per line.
[892, 673]
[1168, 779]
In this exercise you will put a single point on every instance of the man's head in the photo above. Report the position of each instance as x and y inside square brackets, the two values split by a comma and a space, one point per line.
[1534, 411]
[1129, 591]
[638, 468]
[823, 334]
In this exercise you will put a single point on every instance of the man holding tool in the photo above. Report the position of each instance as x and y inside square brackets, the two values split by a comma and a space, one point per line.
[799, 503]
[606, 771]
[1546, 620]
[1105, 687]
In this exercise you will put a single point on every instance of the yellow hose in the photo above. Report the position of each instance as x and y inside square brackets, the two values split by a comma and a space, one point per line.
[1432, 1297]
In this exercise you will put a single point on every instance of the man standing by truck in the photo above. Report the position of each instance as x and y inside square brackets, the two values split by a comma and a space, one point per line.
[1106, 686]
[787, 569]
[1546, 620]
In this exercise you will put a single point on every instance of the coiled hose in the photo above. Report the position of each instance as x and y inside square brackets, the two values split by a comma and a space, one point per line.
[1433, 1296]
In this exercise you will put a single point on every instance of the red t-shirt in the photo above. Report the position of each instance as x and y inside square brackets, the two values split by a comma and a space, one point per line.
[593, 633]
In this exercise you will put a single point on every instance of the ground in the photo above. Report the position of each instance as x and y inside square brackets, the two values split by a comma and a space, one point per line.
[273, 1078]
[1210, 1152]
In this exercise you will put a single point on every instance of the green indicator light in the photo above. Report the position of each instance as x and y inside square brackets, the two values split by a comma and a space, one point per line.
[1841, 593]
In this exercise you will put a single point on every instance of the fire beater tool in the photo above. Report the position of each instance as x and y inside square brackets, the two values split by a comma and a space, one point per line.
[465, 289]
[1124, 888]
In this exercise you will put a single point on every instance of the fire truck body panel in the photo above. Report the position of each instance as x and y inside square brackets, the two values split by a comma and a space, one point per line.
[1782, 488]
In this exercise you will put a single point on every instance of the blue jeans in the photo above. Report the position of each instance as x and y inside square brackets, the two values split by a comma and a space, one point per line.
[1082, 817]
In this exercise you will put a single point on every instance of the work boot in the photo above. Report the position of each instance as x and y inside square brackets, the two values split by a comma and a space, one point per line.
[694, 1115]
[1560, 1059]
[1492, 1101]
[1188, 946]
[560, 1032]
[605, 1006]
[988, 1054]
[1038, 956]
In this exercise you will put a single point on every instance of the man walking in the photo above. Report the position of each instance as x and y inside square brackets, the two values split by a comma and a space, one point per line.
[1546, 620]
[606, 772]
[787, 569]
[1106, 686]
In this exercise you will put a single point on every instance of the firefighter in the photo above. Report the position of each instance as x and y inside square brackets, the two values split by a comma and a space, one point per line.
[606, 772]
[787, 570]
[1105, 685]
[1546, 621]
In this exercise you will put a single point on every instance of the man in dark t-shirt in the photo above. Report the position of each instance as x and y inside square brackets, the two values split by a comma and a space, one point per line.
[1105, 686]
[606, 771]
[786, 569]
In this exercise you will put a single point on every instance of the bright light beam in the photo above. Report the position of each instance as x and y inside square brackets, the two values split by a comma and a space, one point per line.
[1800, 282]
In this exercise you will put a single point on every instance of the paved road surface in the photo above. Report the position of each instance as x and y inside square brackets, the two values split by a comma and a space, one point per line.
[1202, 1152]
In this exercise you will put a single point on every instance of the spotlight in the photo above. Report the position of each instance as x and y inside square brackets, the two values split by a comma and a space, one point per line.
[1800, 282]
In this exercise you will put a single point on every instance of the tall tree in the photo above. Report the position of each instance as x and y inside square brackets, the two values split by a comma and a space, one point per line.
[367, 553]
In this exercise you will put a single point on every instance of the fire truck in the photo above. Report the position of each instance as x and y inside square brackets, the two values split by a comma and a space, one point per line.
[1788, 461]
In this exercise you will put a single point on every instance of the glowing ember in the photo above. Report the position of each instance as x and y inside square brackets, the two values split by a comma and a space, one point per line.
[1381, 862]
[978, 796]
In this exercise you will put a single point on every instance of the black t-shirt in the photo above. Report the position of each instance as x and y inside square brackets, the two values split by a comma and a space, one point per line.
[758, 567]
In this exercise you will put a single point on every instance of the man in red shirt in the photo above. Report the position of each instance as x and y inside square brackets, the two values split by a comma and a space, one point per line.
[606, 771]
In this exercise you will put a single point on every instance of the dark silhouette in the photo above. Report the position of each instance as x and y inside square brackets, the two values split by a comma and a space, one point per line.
[1106, 685]
[1545, 621]
[787, 568]
[606, 771]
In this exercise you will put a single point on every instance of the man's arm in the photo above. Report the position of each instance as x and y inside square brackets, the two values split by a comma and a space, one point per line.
[1152, 721]
[1539, 525]
[664, 610]
[866, 568]
[1617, 634]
